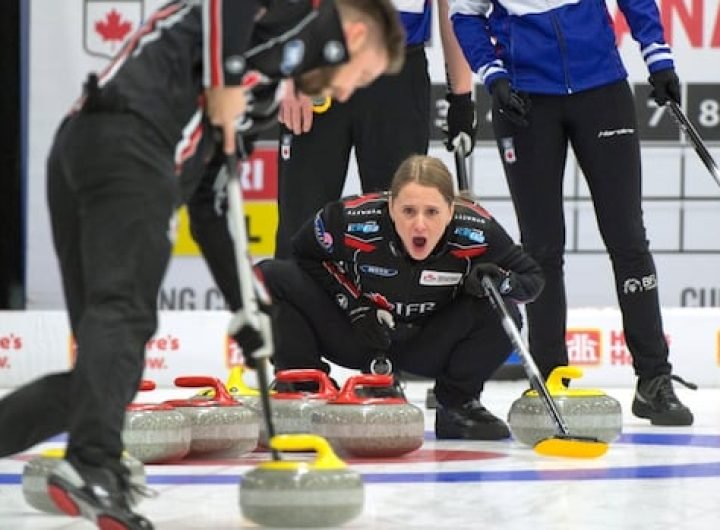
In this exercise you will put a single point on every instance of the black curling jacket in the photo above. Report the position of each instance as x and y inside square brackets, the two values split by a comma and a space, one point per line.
[352, 250]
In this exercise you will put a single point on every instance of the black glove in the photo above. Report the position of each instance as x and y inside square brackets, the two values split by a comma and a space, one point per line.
[461, 121]
[501, 279]
[666, 86]
[373, 325]
[249, 338]
[509, 103]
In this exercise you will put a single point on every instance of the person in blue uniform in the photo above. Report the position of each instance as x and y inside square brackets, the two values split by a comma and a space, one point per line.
[556, 79]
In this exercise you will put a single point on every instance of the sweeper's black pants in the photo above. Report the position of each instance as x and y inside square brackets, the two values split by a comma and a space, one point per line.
[459, 347]
[112, 193]
[601, 127]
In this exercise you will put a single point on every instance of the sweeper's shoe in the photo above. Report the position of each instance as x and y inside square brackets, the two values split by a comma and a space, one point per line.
[655, 400]
[470, 421]
[101, 495]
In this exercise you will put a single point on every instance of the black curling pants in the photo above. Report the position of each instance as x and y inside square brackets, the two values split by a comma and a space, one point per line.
[601, 128]
[385, 123]
[460, 346]
[112, 193]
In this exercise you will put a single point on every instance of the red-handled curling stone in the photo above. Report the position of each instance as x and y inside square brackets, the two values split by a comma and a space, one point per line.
[586, 411]
[219, 425]
[238, 389]
[367, 426]
[291, 409]
[155, 432]
[36, 472]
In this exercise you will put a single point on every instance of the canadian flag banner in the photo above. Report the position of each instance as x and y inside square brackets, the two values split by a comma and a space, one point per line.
[109, 23]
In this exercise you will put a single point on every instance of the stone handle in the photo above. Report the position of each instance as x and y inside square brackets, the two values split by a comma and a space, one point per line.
[195, 381]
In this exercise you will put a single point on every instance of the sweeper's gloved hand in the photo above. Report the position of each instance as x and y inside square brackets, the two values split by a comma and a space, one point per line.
[666, 86]
[461, 122]
[501, 278]
[373, 326]
[250, 338]
[509, 103]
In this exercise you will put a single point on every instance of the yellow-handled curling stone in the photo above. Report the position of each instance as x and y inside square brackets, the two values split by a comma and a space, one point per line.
[220, 425]
[36, 472]
[367, 426]
[322, 492]
[587, 411]
[561, 441]
[156, 432]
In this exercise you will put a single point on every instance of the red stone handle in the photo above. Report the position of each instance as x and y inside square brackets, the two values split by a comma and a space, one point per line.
[195, 381]
[348, 389]
[326, 388]
[146, 385]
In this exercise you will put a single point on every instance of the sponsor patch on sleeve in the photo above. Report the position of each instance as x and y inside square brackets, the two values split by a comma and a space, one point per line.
[322, 236]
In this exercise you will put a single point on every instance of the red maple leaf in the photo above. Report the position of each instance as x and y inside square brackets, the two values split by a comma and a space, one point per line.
[113, 28]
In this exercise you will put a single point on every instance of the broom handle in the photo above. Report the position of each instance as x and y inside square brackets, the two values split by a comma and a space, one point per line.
[700, 148]
[249, 289]
[531, 368]
[461, 168]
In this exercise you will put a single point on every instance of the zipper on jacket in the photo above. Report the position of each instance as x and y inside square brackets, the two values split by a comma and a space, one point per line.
[563, 51]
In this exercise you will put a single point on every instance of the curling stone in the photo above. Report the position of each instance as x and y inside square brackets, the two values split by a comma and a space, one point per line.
[366, 426]
[587, 412]
[237, 388]
[37, 471]
[156, 433]
[219, 425]
[302, 494]
[291, 410]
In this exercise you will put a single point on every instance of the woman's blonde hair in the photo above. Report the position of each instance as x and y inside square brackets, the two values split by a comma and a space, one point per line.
[426, 171]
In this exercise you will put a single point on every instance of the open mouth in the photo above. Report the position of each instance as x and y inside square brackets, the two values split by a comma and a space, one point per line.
[419, 242]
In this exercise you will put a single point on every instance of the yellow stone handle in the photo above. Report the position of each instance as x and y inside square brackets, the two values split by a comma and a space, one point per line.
[556, 388]
[325, 457]
[554, 381]
[237, 386]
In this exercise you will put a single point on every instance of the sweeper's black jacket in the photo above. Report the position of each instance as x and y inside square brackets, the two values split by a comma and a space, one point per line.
[162, 71]
[352, 250]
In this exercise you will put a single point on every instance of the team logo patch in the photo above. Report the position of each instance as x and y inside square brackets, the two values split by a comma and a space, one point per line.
[508, 150]
[376, 270]
[285, 143]
[478, 236]
[324, 238]
[333, 52]
[341, 301]
[440, 278]
[235, 64]
[639, 285]
[293, 53]
[109, 23]
[364, 228]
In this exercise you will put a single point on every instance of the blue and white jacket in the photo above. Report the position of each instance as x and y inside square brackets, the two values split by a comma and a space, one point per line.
[416, 17]
[554, 46]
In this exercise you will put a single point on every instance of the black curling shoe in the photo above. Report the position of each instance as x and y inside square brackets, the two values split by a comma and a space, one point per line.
[100, 494]
[655, 400]
[470, 421]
